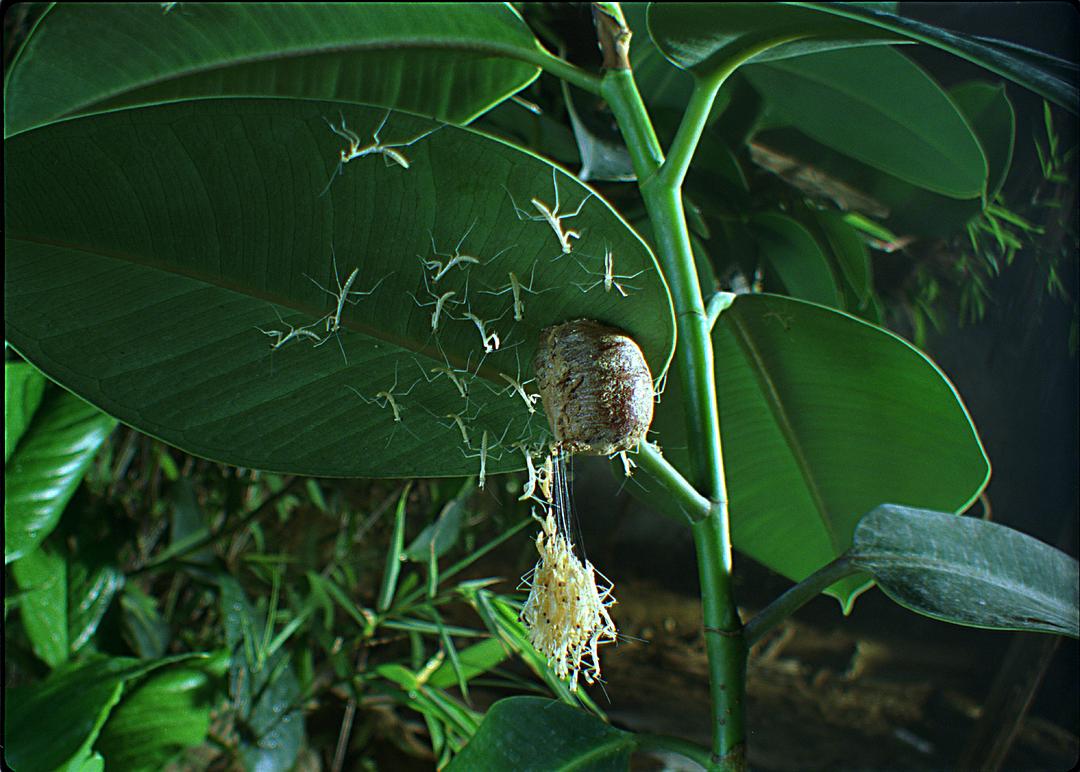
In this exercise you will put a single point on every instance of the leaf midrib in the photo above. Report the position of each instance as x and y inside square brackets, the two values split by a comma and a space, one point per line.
[772, 397]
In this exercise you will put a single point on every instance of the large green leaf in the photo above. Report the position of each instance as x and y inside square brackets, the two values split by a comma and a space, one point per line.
[179, 230]
[42, 576]
[533, 733]
[24, 385]
[167, 713]
[968, 571]
[823, 417]
[704, 37]
[449, 62]
[49, 723]
[47, 466]
[875, 105]
[987, 108]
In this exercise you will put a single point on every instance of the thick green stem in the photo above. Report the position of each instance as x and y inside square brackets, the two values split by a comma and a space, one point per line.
[795, 598]
[663, 200]
[560, 68]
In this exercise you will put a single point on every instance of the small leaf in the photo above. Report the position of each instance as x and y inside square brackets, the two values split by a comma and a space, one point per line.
[987, 108]
[23, 387]
[393, 556]
[793, 254]
[42, 575]
[533, 733]
[473, 661]
[145, 630]
[440, 536]
[848, 250]
[968, 571]
[47, 467]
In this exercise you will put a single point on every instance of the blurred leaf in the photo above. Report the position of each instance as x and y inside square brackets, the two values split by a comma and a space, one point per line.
[393, 555]
[848, 250]
[265, 697]
[162, 716]
[47, 466]
[824, 416]
[23, 387]
[987, 108]
[875, 105]
[188, 524]
[91, 589]
[474, 660]
[440, 536]
[968, 571]
[49, 723]
[145, 630]
[42, 575]
[425, 59]
[533, 733]
[159, 321]
[703, 37]
[793, 254]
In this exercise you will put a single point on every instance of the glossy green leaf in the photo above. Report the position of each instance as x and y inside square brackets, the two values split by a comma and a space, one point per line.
[704, 37]
[24, 386]
[49, 723]
[168, 285]
[42, 576]
[824, 416]
[878, 107]
[451, 63]
[795, 257]
[969, 571]
[160, 717]
[47, 466]
[516, 727]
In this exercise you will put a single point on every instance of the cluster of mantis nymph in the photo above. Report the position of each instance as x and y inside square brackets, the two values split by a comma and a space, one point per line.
[446, 304]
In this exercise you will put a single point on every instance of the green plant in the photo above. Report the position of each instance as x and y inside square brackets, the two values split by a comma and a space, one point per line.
[175, 176]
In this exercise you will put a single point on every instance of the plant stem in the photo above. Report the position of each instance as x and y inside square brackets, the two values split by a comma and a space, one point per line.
[795, 598]
[663, 200]
[690, 750]
[560, 68]
[690, 503]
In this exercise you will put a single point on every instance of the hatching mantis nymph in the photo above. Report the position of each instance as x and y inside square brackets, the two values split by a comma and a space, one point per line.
[333, 321]
[516, 288]
[389, 151]
[551, 215]
[608, 277]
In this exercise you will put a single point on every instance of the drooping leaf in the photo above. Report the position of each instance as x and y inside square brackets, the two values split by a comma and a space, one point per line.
[849, 251]
[429, 59]
[93, 582]
[515, 728]
[168, 285]
[168, 712]
[876, 106]
[823, 416]
[438, 537]
[42, 576]
[24, 386]
[792, 253]
[702, 37]
[47, 467]
[145, 630]
[968, 571]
